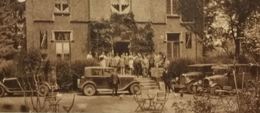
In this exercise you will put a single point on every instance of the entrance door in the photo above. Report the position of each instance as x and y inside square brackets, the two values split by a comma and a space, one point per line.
[121, 47]
[173, 45]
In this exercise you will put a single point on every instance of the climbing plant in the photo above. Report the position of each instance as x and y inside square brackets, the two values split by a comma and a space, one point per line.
[104, 33]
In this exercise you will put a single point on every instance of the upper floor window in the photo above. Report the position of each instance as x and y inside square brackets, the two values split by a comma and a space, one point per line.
[120, 6]
[172, 7]
[61, 7]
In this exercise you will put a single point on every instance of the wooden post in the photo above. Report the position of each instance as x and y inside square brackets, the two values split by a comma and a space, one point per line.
[243, 79]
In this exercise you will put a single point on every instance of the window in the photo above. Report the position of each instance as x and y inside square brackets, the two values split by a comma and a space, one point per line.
[188, 40]
[172, 7]
[173, 45]
[120, 6]
[43, 40]
[96, 72]
[62, 40]
[61, 7]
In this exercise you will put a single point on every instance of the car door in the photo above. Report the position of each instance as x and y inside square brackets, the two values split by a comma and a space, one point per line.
[107, 78]
[98, 78]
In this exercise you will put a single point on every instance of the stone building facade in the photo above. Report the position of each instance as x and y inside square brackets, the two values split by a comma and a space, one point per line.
[60, 28]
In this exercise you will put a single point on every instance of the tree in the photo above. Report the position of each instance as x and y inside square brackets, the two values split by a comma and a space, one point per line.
[11, 27]
[231, 21]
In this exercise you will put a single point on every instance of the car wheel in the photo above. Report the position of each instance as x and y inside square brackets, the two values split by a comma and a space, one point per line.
[2, 91]
[189, 88]
[135, 89]
[89, 90]
[194, 89]
[214, 89]
[43, 90]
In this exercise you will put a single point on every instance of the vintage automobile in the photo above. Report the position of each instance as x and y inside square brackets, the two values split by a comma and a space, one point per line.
[196, 72]
[20, 85]
[97, 79]
[224, 79]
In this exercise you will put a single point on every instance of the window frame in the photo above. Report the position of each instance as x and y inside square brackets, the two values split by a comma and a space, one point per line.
[63, 56]
[171, 14]
[62, 11]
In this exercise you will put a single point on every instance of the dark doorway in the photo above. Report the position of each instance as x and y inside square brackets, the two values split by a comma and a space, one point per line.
[121, 47]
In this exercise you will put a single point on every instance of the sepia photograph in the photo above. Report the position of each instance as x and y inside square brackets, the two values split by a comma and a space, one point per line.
[129, 56]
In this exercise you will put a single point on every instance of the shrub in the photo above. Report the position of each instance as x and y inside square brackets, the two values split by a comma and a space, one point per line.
[67, 74]
[78, 66]
[63, 74]
[7, 68]
[179, 66]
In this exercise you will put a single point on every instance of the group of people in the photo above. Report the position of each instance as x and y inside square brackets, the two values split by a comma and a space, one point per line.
[132, 63]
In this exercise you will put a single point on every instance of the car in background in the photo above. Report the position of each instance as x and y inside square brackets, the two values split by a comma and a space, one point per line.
[224, 79]
[97, 79]
[21, 85]
[197, 72]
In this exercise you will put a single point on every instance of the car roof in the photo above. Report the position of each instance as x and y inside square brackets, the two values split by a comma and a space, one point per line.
[200, 65]
[98, 67]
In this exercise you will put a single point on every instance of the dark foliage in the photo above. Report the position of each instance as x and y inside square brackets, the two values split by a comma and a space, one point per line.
[179, 66]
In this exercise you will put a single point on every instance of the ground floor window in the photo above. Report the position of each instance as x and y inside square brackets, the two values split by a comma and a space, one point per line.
[63, 44]
[173, 45]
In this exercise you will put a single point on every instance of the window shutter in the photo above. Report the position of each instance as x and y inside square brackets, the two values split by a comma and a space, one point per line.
[79, 10]
[43, 10]
[142, 11]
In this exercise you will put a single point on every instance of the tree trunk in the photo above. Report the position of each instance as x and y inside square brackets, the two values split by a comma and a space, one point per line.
[237, 50]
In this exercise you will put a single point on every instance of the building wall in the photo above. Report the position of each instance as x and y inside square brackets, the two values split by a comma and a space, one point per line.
[40, 17]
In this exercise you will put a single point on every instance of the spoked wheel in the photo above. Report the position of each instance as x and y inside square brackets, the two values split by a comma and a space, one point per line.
[43, 90]
[135, 89]
[89, 90]
[2, 91]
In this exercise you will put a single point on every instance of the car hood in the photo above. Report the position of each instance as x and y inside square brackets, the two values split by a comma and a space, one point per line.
[191, 74]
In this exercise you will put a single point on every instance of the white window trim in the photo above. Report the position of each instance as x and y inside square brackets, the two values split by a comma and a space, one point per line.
[62, 12]
[171, 13]
[71, 35]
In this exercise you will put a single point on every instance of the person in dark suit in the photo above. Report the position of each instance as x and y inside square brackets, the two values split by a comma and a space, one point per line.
[115, 82]
[167, 81]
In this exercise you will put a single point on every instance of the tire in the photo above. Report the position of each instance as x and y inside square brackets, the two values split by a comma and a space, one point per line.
[135, 89]
[194, 89]
[189, 88]
[213, 90]
[2, 91]
[89, 90]
[43, 90]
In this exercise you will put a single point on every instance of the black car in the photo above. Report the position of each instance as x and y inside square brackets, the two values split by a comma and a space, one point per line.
[97, 79]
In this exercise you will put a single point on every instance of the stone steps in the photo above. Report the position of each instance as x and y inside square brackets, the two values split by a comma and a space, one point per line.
[148, 84]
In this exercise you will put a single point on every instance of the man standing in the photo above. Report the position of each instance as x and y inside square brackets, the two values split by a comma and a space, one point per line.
[115, 82]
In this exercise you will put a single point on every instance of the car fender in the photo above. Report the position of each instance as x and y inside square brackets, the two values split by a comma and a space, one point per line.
[86, 82]
[131, 83]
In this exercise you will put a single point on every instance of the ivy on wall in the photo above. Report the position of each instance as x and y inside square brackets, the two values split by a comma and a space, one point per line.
[105, 33]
